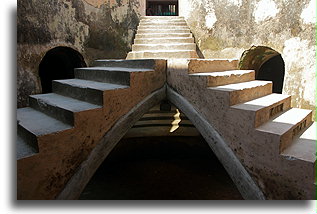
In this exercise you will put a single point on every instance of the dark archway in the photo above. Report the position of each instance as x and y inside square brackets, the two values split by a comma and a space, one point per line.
[59, 63]
[267, 63]
[161, 168]
[246, 186]
[162, 7]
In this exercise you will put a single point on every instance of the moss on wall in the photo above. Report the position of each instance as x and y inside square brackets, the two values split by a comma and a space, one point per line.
[95, 28]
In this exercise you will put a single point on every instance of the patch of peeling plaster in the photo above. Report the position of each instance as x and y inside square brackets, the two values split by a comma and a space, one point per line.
[119, 13]
[96, 3]
[309, 13]
[300, 68]
[210, 18]
[236, 2]
[265, 9]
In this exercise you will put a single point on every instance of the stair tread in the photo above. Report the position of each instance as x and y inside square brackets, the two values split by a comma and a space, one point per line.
[122, 69]
[102, 86]
[155, 38]
[303, 146]
[169, 44]
[164, 51]
[163, 33]
[64, 102]
[240, 86]
[23, 149]
[284, 121]
[262, 102]
[39, 123]
[223, 73]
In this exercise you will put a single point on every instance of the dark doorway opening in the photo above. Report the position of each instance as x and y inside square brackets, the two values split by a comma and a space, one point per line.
[162, 8]
[267, 63]
[273, 70]
[161, 168]
[59, 63]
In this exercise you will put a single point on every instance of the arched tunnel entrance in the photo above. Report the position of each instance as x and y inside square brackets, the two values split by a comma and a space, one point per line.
[59, 63]
[177, 166]
[267, 63]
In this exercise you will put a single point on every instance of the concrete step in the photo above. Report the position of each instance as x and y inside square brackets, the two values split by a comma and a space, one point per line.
[85, 90]
[162, 54]
[24, 149]
[303, 146]
[163, 27]
[161, 18]
[212, 65]
[33, 124]
[286, 125]
[160, 35]
[60, 107]
[26, 142]
[163, 23]
[163, 31]
[115, 75]
[161, 47]
[226, 77]
[263, 108]
[123, 63]
[245, 91]
[167, 40]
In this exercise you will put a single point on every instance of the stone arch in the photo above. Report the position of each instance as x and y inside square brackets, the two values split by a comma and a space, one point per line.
[59, 63]
[267, 63]
[243, 181]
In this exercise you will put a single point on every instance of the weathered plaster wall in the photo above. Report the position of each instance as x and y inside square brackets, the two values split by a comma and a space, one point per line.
[224, 29]
[95, 28]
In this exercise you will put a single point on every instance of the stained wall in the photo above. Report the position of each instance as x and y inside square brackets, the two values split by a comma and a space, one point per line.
[226, 28]
[95, 28]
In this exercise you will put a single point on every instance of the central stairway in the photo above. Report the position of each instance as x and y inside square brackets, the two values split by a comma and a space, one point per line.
[163, 37]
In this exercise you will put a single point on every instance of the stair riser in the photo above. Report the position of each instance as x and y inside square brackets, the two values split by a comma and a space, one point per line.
[248, 94]
[224, 80]
[28, 137]
[85, 94]
[164, 47]
[115, 77]
[164, 41]
[162, 24]
[162, 55]
[162, 18]
[162, 27]
[163, 31]
[287, 138]
[160, 35]
[51, 110]
[140, 63]
[202, 66]
[264, 114]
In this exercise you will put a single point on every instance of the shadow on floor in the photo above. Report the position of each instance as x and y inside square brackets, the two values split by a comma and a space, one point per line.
[161, 168]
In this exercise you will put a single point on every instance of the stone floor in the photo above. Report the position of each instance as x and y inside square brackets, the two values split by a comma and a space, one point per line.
[163, 168]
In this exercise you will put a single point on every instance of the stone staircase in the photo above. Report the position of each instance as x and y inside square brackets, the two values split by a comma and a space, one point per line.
[160, 37]
[58, 131]
[276, 143]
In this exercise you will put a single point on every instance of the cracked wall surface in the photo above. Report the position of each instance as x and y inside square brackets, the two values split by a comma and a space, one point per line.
[224, 29]
[95, 28]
